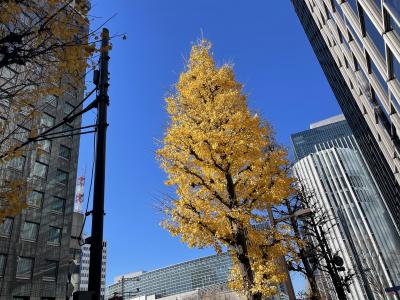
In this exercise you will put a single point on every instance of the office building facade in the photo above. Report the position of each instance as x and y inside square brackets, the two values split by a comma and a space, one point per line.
[84, 268]
[357, 43]
[35, 256]
[362, 230]
[203, 275]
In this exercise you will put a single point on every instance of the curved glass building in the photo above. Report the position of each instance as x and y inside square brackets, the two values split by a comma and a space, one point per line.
[362, 229]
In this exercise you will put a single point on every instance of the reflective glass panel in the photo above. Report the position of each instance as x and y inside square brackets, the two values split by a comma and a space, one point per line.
[24, 267]
[21, 134]
[374, 34]
[62, 177]
[54, 235]
[57, 204]
[68, 108]
[394, 6]
[354, 36]
[396, 68]
[29, 231]
[50, 270]
[17, 163]
[35, 199]
[394, 26]
[67, 128]
[65, 152]
[353, 4]
[47, 120]
[3, 260]
[378, 4]
[6, 227]
[45, 145]
[338, 9]
[378, 75]
[39, 169]
[51, 99]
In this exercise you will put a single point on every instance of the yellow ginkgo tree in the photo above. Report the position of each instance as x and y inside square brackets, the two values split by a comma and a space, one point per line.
[45, 50]
[228, 172]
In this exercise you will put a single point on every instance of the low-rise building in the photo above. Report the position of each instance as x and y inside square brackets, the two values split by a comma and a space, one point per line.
[202, 278]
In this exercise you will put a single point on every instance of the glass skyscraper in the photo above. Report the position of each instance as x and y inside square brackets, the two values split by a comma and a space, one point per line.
[357, 43]
[361, 228]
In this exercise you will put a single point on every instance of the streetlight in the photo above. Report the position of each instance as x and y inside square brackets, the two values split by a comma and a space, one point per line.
[303, 212]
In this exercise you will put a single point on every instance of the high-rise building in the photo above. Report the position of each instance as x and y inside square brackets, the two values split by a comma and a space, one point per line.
[204, 275]
[360, 227]
[84, 268]
[357, 43]
[35, 257]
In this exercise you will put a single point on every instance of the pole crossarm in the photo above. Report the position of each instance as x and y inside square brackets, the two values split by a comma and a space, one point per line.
[66, 131]
[68, 135]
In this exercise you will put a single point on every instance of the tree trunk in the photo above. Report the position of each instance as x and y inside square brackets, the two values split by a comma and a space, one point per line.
[245, 265]
[309, 272]
[310, 276]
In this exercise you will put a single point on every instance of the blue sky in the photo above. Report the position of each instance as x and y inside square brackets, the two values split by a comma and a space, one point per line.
[272, 58]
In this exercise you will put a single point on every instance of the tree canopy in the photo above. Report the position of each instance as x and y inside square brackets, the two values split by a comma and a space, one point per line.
[228, 172]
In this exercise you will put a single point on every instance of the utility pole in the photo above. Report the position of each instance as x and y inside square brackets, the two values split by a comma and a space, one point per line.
[96, 239]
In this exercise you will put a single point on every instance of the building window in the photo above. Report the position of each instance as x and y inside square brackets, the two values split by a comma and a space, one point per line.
[65, 152]
[35, 199]
[356, 65]
[3, 260]
[378, 75]
[54, 237]
[370, 29]
[57, 204]
[24, 267]
[21, 134]
[26, 110]
[50, 270]
[353, 4]
[20, 298]
[29, 231]
[51, 99]
[44, 145]
[17, 163]
[68, 108]
[395, 67]
[3, 125]
[378, 4]
[6, 227]
[393, 25]
[40, 169]
[354, 37]
[68, 130]
[394, 6]
[62, 177]
[337, 7]
[395, 103]
[46, 121]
